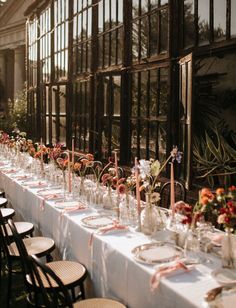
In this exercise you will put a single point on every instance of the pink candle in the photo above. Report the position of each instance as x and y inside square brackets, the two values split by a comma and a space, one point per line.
[69, 174]
[73, 151]
[172, 188]
[116, 165]
[137, 186]
[41, 149]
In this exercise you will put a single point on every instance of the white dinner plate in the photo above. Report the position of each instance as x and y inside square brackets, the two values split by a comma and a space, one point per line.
[154, 253]
[225, 276]
[98, 221]
[69, 205]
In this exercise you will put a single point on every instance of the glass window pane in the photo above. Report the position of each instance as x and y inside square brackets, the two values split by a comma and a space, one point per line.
[120, 12]
[135, 5]
[152, 139]
[144, 37]
[107, 14]
[233, 19]
[203, 21]
[219, 19]
[153, 3]
[116, 91]
[62, 130]
[189, 30]
[135, 41]
[153, 34]
[135, 95]
[144, 6]
[115, 131]
[164, 31]
[163, 104]
[153, 93]
[100, 16]
[143, 98]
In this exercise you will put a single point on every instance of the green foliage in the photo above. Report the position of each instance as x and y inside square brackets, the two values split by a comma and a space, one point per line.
[17, 115]
[214, 158]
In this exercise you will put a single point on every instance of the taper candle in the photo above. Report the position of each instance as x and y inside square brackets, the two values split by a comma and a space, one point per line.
[137, 186]
[116, 165]
[172, 188]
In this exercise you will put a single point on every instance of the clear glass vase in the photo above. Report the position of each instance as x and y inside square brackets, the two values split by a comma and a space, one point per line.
[192, 246]
[149, 217]
[108, 200]
[228, 250]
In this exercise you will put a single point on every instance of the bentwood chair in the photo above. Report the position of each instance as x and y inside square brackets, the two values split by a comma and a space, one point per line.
[180, 193]
[71, 274]
[56, 293]
[40, 246]
[3, 202]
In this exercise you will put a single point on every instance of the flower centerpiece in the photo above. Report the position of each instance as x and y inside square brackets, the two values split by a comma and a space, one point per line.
[149, 172]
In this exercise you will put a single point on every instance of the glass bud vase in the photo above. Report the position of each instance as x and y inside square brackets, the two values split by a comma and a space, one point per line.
[228, 250]
[108, 200]
[149, 217]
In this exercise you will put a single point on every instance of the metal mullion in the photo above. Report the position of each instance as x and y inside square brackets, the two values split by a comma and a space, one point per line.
[138, 118]
[79, 113]
[110, 100]
[85, 114]
[158, 111]
[149, 30]
[86, 42]
[110, 27]
[211, 34]
[148, 115]
[103, 39]
[228, 19]
[196, 23]
[117, 31]
[86, 117]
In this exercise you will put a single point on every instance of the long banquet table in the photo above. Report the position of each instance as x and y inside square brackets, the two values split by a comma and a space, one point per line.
[112, 270]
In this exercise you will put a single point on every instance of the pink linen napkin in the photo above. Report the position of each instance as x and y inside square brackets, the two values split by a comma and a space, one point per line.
[35, 184]
[106, 229]
[73, 209]
[167, 271]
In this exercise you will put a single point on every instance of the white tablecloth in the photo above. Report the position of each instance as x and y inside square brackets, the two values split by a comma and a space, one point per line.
[112, 269]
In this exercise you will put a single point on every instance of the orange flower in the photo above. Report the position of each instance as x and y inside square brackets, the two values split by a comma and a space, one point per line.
[89, 157]
[220, 191]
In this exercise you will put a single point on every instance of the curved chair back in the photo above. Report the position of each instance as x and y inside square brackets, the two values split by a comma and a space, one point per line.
[180, 193]
[56, 294]
[36, 275]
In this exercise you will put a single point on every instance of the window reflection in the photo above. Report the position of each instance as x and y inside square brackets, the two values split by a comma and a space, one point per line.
[219, 19]
[149, 112]
[110, 39]
[150, 31]
[233, 19]
[203, 21]
[189, 29]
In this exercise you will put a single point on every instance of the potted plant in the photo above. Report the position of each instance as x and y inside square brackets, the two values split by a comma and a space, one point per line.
[214, 159]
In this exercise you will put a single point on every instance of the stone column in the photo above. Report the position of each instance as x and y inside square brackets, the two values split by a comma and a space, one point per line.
[19, 69]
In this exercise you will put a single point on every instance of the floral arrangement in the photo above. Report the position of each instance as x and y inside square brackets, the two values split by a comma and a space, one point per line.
[149, 171]
[126, 185]
[42, 152]
[83, 164]
[226, 200]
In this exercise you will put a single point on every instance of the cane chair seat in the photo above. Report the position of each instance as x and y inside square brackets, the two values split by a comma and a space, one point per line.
[68, 271]
[98, 303]
[3, 202]
[39, 246]
[7, 213]
[22, 227]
